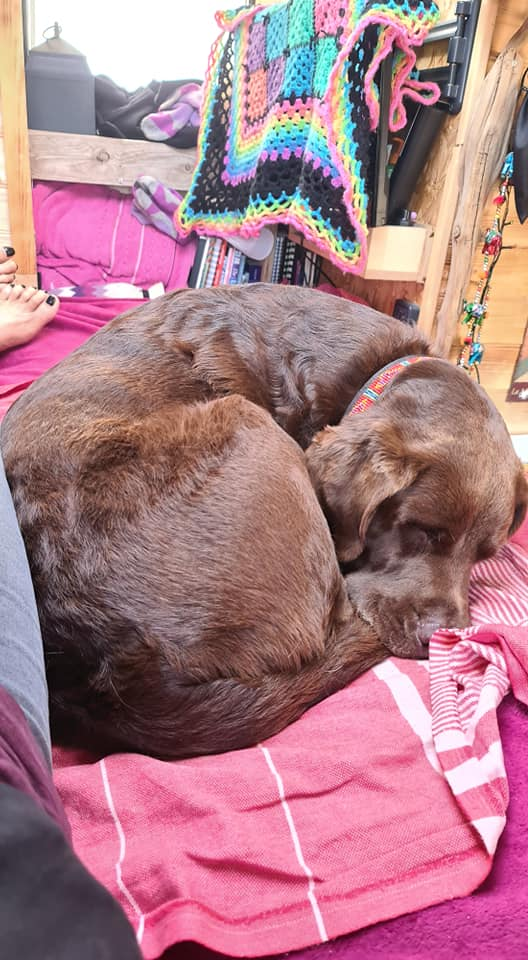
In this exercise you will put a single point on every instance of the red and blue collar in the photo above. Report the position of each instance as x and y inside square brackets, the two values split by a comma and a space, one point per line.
[376, 385]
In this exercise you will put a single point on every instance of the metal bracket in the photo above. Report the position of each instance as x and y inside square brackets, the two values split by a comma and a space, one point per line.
[460, 33]
[452, 79]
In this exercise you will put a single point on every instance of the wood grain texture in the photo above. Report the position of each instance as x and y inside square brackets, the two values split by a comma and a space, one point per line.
[504, 326]
[5, 227]
[447, 199]
[495, 377]
[77, 158]
[380, 294]
[15, 134]
[481, 158]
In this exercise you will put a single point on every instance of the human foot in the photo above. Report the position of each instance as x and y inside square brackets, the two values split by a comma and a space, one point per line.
[24, 311]
[8, 267]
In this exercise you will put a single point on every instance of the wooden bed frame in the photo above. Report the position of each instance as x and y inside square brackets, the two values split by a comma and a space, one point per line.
[75, 158]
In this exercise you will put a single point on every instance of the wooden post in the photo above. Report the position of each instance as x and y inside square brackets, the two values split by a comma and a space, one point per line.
[447, 202]
[482, 157]
[15, 135]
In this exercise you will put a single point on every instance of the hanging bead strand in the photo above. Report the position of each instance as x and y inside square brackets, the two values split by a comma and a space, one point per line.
[474, 312]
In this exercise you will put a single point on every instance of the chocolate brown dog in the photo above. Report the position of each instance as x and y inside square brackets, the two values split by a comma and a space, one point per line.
[187, 581]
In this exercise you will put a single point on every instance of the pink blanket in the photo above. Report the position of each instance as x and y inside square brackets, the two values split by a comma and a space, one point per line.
[76, 320]
[88, 233]
[386, 798]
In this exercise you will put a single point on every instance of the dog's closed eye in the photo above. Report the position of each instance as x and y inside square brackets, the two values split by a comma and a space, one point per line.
[419, 537]
[486, 551]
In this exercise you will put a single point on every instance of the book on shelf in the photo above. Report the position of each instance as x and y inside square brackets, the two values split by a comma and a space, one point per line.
[217, 262]
[237, 268]
[220, 263]
[211, 270]
[278, 253]
[252, 272]
[288, 263]
[192, 280]
[205, 262]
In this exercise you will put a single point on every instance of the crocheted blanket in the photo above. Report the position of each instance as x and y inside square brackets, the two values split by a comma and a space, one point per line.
[289, 109]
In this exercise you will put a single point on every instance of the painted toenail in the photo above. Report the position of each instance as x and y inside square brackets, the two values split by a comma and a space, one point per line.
[50, 300]
[9, 251]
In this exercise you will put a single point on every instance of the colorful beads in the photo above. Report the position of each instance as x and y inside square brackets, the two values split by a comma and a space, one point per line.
[473, 312]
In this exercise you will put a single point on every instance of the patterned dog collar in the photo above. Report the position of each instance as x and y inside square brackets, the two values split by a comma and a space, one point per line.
[376, 385]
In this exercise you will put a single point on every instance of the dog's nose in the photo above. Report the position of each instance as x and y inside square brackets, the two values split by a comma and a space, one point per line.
[426, 628]
[453, 615]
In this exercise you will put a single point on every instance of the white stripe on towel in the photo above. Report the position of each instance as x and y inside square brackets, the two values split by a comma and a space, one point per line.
[122, 852]
[297, 846]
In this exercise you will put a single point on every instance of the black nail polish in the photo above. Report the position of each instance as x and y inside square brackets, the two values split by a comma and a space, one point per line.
[50, 300]
[9, 251]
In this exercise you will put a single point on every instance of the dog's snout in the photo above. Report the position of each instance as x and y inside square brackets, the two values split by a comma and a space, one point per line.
[454, 615]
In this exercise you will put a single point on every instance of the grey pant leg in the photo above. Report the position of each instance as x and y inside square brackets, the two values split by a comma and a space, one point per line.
[21, 654]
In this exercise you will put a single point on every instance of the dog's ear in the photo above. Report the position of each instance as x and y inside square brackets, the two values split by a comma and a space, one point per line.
[354, 467]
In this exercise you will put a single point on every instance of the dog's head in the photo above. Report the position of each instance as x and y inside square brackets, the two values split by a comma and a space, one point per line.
[416, 490]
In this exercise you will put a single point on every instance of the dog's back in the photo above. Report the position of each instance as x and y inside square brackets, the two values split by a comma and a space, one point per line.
[300, 354]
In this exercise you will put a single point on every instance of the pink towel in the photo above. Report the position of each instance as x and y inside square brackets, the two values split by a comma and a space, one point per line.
[88, 233]
[388, 797]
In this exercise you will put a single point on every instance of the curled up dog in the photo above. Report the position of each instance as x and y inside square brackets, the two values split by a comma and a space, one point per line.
[218, 541]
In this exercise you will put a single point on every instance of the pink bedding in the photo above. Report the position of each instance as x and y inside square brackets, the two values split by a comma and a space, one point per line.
[76, 320]
[387, 798]
[87, 233]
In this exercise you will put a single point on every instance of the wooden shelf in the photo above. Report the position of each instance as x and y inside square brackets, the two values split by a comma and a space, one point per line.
[394, 253]
[108, 161]
[398, 253]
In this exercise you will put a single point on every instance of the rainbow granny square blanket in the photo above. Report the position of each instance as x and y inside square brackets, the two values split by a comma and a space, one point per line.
[290, 105]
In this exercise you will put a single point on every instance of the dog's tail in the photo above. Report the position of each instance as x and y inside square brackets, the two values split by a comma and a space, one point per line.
[231, 713]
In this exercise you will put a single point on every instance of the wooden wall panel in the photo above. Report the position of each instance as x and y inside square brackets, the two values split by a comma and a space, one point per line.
[508, 304]
[15, 135]
[508, 301]
[504, 326]
[5, 230]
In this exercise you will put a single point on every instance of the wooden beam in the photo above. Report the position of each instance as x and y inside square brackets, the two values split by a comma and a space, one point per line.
[447, 202]
[482, 157]
[78, 158]
[15, 134]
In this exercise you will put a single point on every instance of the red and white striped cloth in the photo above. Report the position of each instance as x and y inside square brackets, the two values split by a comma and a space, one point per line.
[471, 672]
[386, 798]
